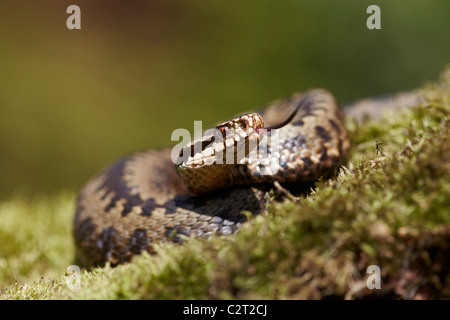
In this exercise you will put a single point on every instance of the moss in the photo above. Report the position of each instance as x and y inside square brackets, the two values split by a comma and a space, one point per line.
[388, 207]
[35, 237]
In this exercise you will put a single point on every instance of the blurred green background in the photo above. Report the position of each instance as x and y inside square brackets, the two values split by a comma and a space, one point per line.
[72, 101]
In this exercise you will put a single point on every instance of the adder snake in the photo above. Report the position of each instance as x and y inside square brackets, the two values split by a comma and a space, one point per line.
[142, 199]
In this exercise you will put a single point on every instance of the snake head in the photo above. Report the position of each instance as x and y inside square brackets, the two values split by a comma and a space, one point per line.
[219, 150]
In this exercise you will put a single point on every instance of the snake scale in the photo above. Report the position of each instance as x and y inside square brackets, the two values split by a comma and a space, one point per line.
[145, 198]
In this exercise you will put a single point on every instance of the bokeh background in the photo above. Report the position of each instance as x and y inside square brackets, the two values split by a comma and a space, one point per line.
[72, 101]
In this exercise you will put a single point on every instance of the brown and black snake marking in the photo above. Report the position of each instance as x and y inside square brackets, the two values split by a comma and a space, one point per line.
[141, 200]
[119, 214]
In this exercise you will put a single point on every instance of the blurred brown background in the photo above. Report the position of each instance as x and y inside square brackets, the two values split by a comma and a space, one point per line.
[72, 101]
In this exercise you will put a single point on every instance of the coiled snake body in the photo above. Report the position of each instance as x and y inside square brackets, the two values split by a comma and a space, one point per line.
[144, 198]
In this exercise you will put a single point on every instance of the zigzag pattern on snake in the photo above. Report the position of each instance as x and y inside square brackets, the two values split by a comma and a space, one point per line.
[144, 198]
